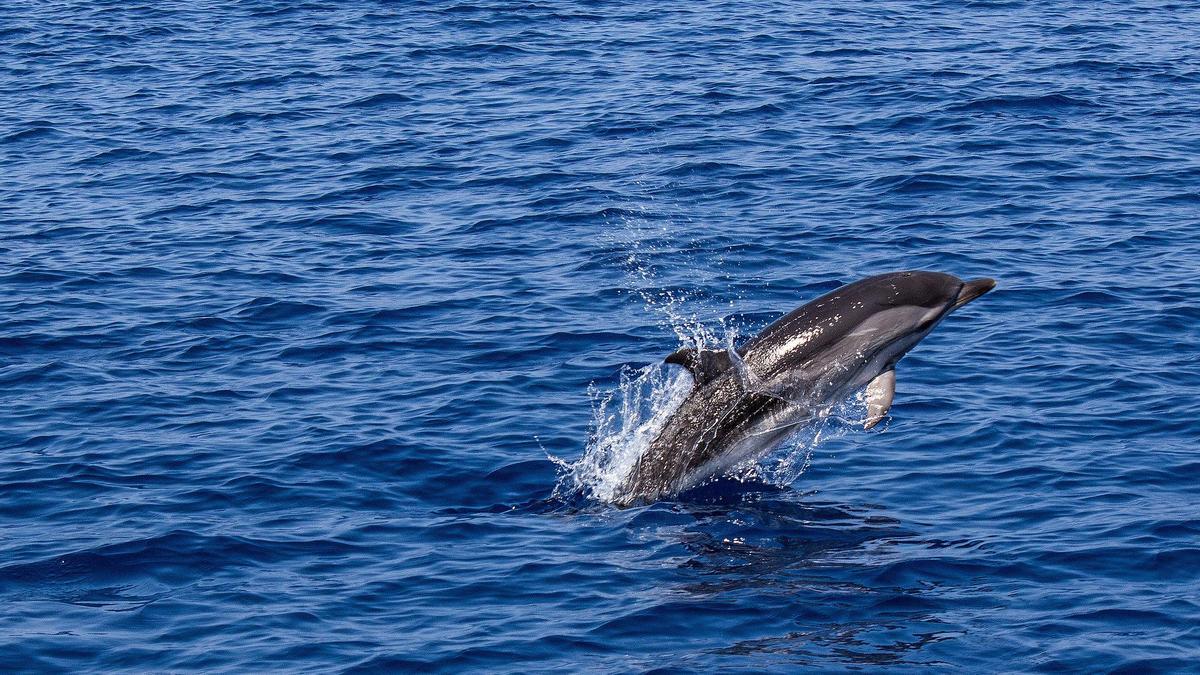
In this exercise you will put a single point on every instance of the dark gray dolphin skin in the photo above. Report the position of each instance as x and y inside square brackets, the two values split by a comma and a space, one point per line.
[747, 400]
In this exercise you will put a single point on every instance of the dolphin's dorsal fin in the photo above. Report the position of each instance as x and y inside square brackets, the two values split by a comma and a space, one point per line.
[747, 376]
[880, 392]
[704, 365]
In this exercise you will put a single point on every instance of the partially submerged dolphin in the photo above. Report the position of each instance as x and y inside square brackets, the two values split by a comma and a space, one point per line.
[747, 400]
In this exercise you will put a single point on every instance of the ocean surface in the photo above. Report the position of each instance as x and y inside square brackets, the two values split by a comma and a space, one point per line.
[317, 319]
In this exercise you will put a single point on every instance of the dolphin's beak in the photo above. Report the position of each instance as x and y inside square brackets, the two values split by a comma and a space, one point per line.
[973, 289]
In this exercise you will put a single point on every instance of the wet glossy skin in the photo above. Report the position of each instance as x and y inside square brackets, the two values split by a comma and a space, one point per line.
[807, 360]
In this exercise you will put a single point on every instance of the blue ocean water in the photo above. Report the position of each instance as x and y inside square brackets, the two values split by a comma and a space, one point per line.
[305, 306]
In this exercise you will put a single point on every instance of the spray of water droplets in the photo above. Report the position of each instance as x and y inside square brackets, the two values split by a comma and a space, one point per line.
[625, 420]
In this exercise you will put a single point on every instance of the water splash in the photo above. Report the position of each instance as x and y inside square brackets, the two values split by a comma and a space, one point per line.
[669, 272]
[624, 423]
[627, 419]
[785, 464]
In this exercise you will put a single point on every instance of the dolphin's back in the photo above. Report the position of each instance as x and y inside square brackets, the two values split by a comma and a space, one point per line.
[815, 327]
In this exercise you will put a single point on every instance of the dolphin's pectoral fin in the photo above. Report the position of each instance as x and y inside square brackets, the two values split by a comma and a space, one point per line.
[879, 397]
[704, 365]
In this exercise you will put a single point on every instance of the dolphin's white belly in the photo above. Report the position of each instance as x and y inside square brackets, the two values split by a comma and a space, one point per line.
[763, 435]
[809, 394]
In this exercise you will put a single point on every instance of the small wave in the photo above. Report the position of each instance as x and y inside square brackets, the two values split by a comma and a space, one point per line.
[143, 69]
[121, 154]
[245, 116]
[921, 183]
[357, 222]
[379, 100]
[271, 310]
[843, 52]
[271, 80]
[480, 49]
[1016, 103]
[33, 132]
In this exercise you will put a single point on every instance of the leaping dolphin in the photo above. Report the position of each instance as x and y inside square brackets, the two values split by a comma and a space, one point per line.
[747, 400]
